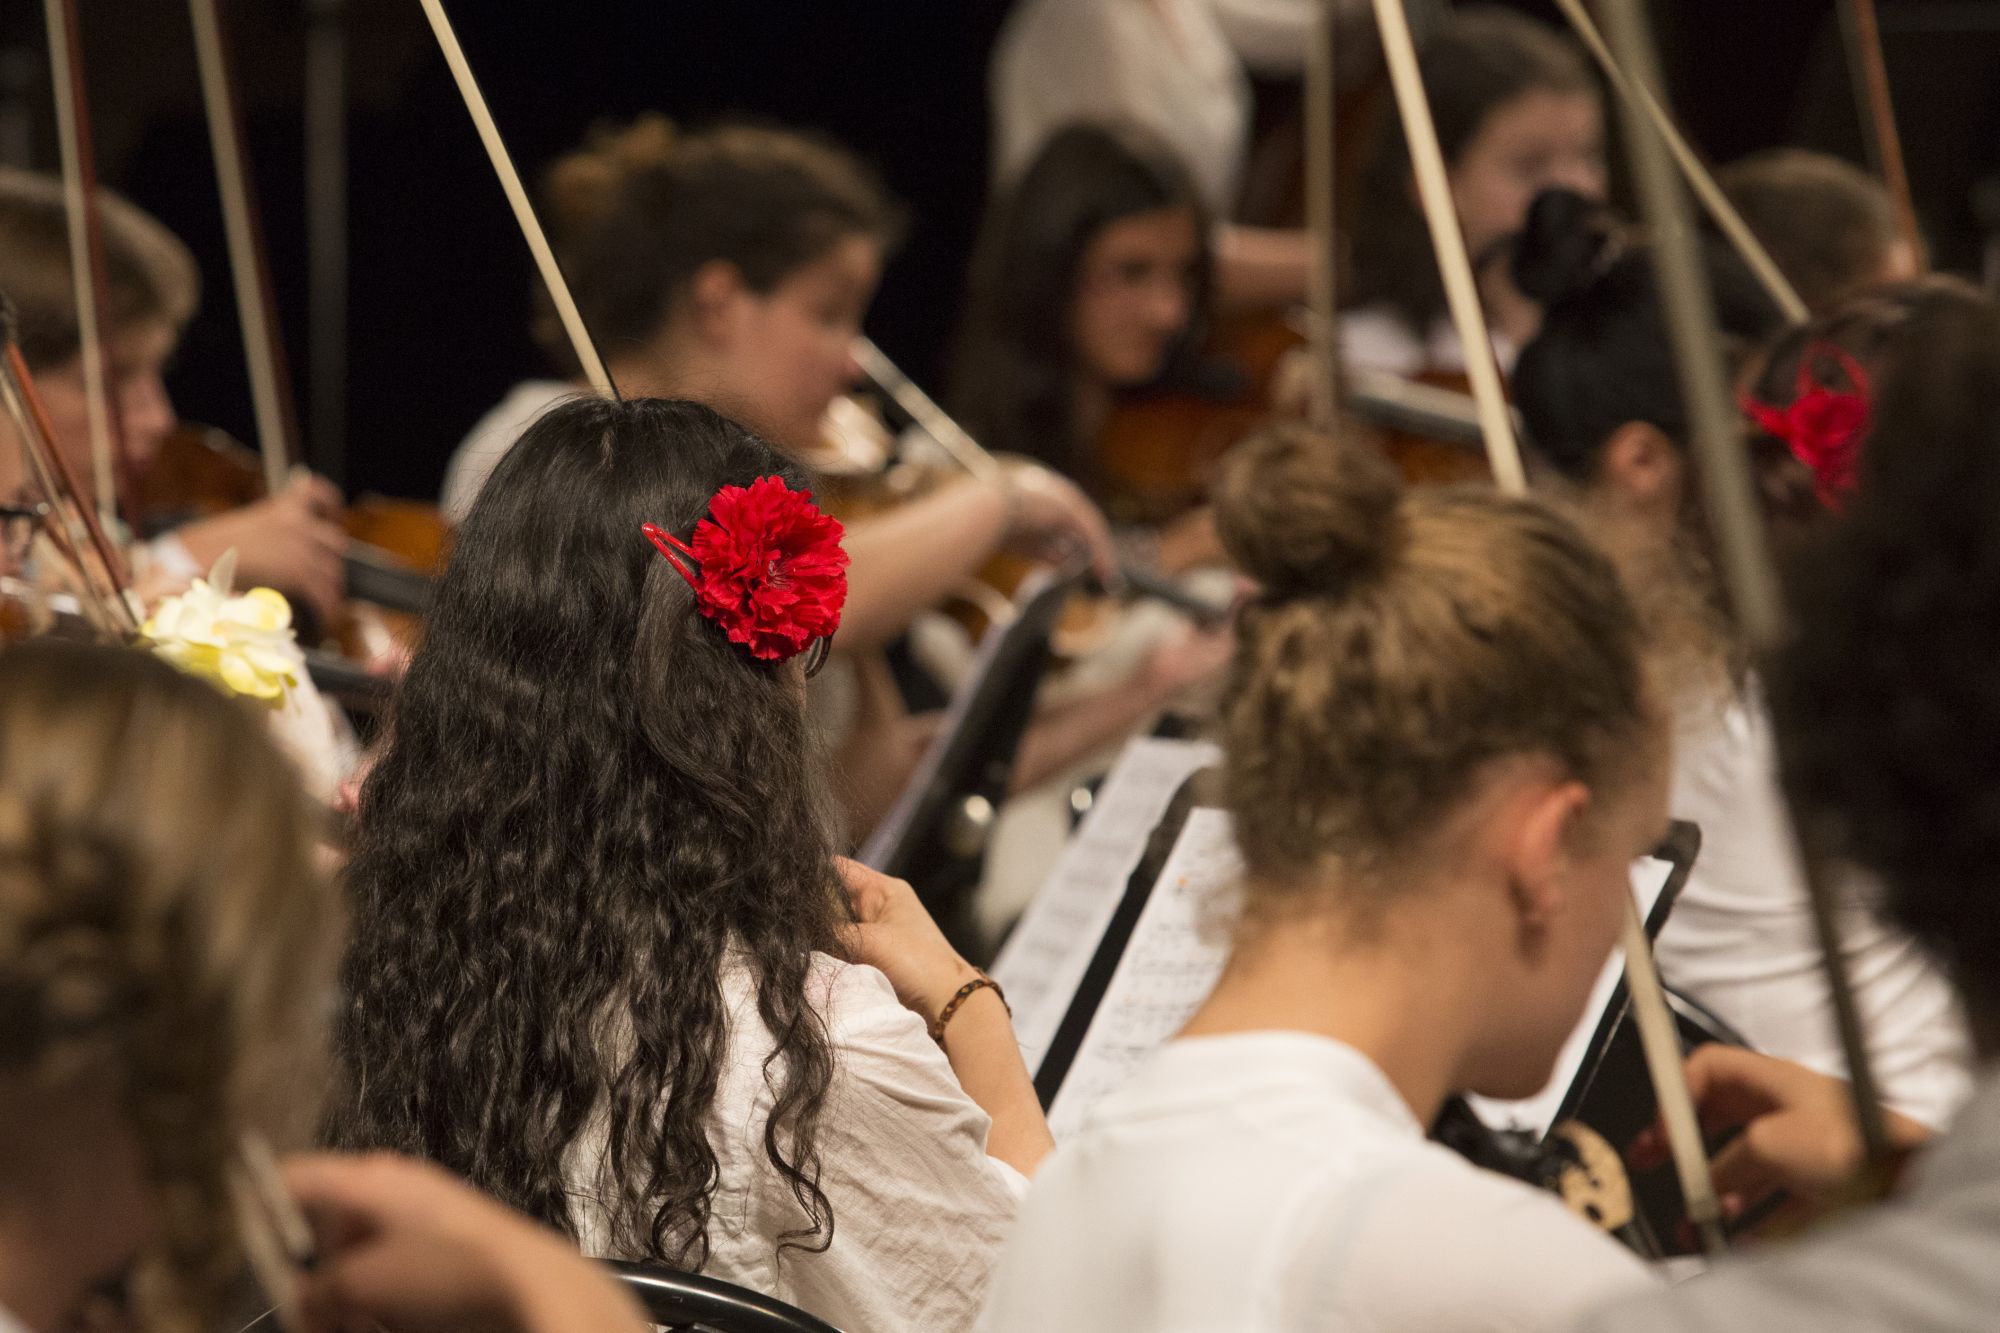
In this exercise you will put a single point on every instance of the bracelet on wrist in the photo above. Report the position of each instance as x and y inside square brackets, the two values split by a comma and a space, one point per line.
[965, 992]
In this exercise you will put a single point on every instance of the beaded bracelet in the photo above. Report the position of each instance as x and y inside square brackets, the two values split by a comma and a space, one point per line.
[980, 982]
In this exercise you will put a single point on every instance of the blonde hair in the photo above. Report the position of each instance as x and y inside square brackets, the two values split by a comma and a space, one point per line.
[149, 276]
[1401, 642]
[162, 923]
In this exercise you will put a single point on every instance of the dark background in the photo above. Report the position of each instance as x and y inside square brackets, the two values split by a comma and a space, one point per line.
[439, 277]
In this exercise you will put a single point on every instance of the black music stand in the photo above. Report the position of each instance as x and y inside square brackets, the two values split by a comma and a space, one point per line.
[935, 835]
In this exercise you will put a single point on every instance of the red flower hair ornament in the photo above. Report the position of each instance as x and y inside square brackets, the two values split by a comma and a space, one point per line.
[768, 567]
[1823, 427]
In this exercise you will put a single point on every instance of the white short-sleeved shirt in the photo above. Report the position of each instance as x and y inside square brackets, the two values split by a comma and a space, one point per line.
[491, 437]
[919, 1209]
[1163, 64]
[1741, 938]
[1276, 1181]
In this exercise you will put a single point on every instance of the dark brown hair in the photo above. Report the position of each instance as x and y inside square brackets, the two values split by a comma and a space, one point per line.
[149, 275]
[1013, 369]
[1401, 642]
[1885, 698]
[1481, 59]
[638, 210]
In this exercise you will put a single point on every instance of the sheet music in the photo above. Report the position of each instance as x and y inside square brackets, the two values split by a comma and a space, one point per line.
[1176, 953]
[1536, 1115]
[1045, 957]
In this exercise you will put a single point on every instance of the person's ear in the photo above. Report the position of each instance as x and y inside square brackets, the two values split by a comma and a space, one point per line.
[1538, 850]
[717, 300]
[1642, 468]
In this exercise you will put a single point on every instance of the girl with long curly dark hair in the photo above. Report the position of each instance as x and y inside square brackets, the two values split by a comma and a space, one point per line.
[601, 954]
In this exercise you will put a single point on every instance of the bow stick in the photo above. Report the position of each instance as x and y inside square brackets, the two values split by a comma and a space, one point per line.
[248, 277]
[1640, 102]
[1870, 72]
[1655, 1021]
[1729, 494]
[1319, 100]
[1461, 288]
[75, 530]
[517, 197]
[933, 420]
[86, 248]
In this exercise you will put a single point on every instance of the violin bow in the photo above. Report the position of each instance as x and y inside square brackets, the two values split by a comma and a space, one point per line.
[1863, 39]
[86, 249]
[517, 198]
[1655, 1021]
[249, 277]
[74, 529]
[1729, 495]
[1320, 216]
[1461, 287]
[1640, 102]
[970, 455]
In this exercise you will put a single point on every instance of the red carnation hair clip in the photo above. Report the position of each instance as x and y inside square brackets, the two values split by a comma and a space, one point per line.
[767, 567]
[1823, 427]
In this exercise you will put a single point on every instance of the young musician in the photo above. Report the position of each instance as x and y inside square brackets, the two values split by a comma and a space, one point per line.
[1517, 112]
[1828, 225]
[1090, 273]
[166, 951]
[733, 267]
[294, 540]
[602, 962]
[1598, 392]
[1442, 756]
[1887, 721]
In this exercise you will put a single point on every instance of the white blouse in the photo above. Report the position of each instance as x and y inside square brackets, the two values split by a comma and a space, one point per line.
[919, 1209]
[1741, 937]
[1166, 65]
[1275, 1181]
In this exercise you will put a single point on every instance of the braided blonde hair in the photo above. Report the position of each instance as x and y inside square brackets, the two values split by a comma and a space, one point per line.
[161, 924]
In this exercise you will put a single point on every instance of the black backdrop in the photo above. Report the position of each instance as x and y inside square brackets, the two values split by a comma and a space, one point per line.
[439, 276]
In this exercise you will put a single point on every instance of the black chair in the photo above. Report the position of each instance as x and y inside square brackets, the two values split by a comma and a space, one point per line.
[688, 1301]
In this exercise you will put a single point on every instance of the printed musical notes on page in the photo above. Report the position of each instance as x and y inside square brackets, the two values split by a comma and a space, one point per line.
[1044, 960]
[1175, 955]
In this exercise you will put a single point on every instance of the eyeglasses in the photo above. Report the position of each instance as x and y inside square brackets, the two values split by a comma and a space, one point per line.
[816, 654]
[18, 525]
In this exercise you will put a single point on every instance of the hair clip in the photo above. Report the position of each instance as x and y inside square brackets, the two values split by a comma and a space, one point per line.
[1823, 426]
[765, 564]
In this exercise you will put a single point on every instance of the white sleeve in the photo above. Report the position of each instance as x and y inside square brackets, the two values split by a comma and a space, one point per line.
[920, 1209]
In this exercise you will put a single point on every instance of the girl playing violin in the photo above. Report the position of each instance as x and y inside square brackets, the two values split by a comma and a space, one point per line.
[1441, 757]
[293, 540]
[1091, 275]
[603, 964]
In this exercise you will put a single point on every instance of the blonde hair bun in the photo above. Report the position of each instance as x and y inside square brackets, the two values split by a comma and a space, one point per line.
[1306, 515]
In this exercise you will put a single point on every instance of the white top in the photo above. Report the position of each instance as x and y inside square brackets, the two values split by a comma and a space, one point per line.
[491, 437]
[1276, 1181]
[919, 1208]
[1162, 64]
[1741, 937]
[1377, 338]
